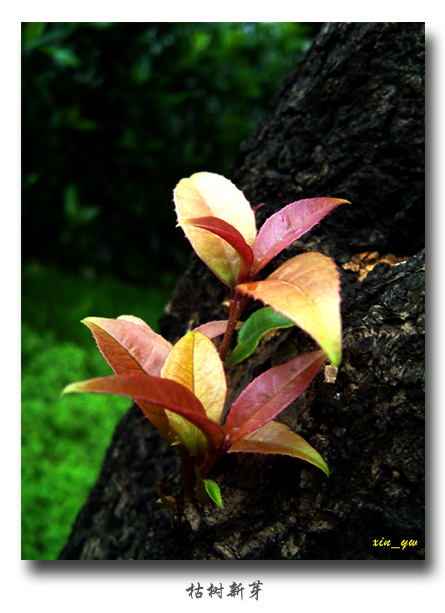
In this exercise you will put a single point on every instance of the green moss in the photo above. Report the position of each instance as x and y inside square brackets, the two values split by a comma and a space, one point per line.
[64, 439]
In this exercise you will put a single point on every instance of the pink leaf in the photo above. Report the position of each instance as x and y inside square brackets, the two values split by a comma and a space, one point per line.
[271, 393]
[275, 437]
[287, 225]
[212, 329]
[160, 394]
[230, 234]
[129, 345]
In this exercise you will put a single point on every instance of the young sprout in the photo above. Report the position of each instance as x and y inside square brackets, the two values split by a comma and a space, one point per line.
[182, 388]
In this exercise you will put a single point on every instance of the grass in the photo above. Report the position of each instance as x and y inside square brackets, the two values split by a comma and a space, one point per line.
[64, 439]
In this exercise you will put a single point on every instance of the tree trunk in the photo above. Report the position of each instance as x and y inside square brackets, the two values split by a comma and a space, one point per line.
[347, 123]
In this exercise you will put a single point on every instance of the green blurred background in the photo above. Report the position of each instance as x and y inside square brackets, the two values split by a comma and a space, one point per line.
[113, 116]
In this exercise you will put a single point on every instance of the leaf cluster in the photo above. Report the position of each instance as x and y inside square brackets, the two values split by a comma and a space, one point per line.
[182, 388]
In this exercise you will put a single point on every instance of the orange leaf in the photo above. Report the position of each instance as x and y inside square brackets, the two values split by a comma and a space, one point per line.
[306, 289]
[275, 437]
[207, 194]
[195, 363]
[129, 345]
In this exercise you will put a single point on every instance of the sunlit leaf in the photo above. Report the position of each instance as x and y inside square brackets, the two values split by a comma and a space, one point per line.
[287, 225]
[230, 234]
[129, 345]
[254, 328]
[275, 437]
[212, 489]
[306, 289]
[195, 363]
[207, 194]
[159, 394]
[270, 393]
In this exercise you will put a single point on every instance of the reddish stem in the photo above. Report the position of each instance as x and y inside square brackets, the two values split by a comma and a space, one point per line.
[188, 471]
[207, 465]
[238, 303]
[168, 501]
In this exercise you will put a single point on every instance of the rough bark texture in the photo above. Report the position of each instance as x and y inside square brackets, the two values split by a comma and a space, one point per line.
[348, 122]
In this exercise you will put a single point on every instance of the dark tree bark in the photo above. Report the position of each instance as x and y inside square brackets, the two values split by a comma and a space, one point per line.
[348, 122]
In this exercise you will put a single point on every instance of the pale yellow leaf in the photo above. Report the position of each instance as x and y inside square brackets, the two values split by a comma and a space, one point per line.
[195, 363]
[205, 194]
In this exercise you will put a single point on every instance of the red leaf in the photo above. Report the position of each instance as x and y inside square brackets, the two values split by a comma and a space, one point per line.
[129, 345]
[159, 420]
[275, 437]
[271, 393]
[160, 394]
[287, 225]
[231, 235]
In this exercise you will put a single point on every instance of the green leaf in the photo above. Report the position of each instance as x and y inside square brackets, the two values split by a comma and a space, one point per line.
[256, 326]
[32, 31]
[62, 55]
[212, 489]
